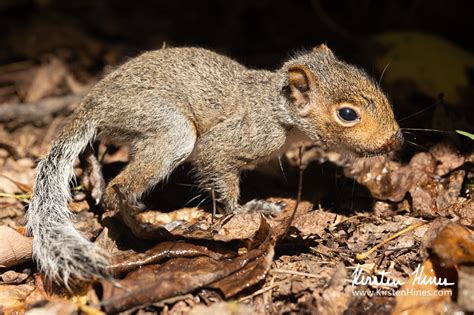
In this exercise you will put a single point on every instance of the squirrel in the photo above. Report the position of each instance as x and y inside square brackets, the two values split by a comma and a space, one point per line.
[190, 104]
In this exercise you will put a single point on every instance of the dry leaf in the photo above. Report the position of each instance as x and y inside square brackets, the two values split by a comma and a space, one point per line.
[46, 80]
[12, 297]
[454, 245]
[14, 248]
[179, 276]
[166, 250]
[314, 222]
[424, 304]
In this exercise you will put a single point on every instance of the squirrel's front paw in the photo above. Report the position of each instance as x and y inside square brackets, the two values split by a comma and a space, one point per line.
[268, 208]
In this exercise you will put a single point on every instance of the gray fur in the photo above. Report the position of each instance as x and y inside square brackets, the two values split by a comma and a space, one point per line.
[60, 251]
[179, 104]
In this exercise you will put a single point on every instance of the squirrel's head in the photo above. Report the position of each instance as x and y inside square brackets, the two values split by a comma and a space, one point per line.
[339, 105]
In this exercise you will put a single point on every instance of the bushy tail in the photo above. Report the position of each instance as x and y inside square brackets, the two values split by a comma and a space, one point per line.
[59, 250]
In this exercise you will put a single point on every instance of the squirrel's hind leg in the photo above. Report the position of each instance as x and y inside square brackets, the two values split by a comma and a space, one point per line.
[152, 161]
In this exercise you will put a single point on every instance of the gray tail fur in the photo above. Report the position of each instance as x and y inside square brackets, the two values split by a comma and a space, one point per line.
[59, 250]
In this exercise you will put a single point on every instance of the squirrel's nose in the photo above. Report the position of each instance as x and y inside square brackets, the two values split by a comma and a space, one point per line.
[394, 143]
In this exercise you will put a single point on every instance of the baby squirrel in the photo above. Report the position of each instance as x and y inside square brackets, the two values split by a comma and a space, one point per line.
[190, 104]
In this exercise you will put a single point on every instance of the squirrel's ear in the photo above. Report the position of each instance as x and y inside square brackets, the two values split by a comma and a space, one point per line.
[301, 81]
[323, 49]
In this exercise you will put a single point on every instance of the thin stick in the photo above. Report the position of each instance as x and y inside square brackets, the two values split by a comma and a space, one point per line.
[300, 189]
[394, 236]
[89, 310]
[296, 273]
[10, 149]
[258, 292]
[17, 196]
[20, 197]
[23, 187]
[213, 205]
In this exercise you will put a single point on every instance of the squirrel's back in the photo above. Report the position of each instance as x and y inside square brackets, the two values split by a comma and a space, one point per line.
[202, 84]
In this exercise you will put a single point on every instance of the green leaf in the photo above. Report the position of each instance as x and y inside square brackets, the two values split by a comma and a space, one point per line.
[465, 133]
[419, 58]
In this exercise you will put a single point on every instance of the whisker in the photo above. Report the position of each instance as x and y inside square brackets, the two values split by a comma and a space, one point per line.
[425, 129]
[437, 102]
[192, 199]
[416, 145]
[200, 203]
[413, 115]
[418, 112]
[186, 185]
[383, 72]
[411, 134]
[282, 171]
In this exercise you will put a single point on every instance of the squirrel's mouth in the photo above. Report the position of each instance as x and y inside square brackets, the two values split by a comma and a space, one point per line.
[394, 143]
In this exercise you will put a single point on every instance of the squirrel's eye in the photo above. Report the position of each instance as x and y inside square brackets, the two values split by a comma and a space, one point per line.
[347, 114]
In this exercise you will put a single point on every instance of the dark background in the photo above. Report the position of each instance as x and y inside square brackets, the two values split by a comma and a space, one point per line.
[258, 33]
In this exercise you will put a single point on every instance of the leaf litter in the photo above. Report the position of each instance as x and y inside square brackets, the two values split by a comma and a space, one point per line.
[185, 260]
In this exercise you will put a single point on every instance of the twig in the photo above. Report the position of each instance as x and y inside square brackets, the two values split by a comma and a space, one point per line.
[213, 194]
[296, 273]
[300, 189]
[20, 197]
[363, 256]
[10, 149]
[258, 292]
[17, 196]
[23, 187]
[89, 310]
